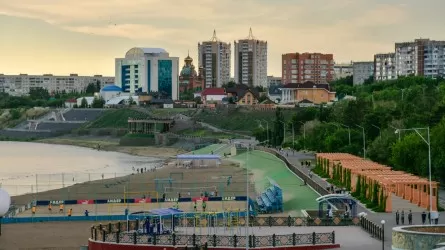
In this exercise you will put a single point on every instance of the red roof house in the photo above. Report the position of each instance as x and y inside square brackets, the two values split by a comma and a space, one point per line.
[213, 95]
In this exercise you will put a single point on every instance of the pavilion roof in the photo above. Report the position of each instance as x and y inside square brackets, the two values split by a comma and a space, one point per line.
[362, 164]
[337, 156]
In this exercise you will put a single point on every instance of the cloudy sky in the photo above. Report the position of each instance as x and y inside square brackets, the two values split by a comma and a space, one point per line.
[84, 36]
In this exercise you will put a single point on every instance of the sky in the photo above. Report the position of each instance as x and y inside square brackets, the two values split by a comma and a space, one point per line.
[84, 36]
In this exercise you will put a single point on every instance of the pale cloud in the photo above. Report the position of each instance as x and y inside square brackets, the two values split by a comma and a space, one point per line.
[351, 29]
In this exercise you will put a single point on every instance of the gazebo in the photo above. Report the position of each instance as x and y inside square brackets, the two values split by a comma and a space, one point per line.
[344, 200]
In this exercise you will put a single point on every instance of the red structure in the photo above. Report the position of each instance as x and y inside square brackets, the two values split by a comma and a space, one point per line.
[94, 245]
[188, 78]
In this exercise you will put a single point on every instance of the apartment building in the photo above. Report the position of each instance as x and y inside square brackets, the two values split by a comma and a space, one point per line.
[362, 71]
[385, 67]
[215, 58]
[423, 57]
[19, 85]
[314, 67]
[251, 61]
[342, 70]
[273, 81]
[148, 70]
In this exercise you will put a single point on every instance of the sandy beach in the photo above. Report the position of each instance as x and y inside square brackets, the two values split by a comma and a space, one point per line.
[112, 144]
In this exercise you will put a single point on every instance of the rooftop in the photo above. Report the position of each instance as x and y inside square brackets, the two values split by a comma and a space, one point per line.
[213, 91]
[139, 52]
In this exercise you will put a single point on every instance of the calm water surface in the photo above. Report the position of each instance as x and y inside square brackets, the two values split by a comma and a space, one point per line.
[30, 167]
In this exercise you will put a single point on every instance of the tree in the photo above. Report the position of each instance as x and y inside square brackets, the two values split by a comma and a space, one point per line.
[84, 103]
[230, 84]
[278, 133]
[98, 102]
[38, 93]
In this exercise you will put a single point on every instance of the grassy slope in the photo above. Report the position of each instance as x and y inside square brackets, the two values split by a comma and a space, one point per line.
[240, 120]
[116, 118]
[263, 165]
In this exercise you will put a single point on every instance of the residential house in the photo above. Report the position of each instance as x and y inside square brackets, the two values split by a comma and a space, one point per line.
[243, 94]
[213, 95]
[317, 93]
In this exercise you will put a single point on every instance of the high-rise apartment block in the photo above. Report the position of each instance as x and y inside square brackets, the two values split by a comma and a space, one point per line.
[215, 58]
[362, 71]
[148, 70]
[18, 85]
[314, 67]
[423, 57]
[385, 67]
[342, 70]
[251, 61]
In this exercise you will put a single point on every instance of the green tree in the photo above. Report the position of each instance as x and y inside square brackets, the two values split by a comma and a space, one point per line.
[98, 102]
[410, 154]
[84, 103]
[278, 133]
[38, 93]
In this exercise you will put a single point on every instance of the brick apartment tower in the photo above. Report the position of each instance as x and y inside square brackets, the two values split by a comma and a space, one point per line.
[315, 67]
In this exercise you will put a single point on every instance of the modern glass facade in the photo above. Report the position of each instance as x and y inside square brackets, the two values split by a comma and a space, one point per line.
[165, 77]
[125, 74]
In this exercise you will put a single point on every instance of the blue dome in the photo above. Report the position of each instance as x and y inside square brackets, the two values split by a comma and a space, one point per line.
[111, 88]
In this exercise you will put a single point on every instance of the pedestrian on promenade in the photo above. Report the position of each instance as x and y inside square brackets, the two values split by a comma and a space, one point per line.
[163, 196]
[423, 217]
[87, 213]
[310, 174]
[429, 217]
[302, 164]
[70, 212]
[397, 217]
[403, 217]
[410, 217]
[194, 207]
[50, 208]
[61, 208]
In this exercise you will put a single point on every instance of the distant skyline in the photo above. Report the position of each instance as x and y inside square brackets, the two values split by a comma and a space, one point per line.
[84, 36]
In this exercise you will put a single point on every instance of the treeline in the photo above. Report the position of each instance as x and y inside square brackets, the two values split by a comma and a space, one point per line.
[385, 113]
[40, 97]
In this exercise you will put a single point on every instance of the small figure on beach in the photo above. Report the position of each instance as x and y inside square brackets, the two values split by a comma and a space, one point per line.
[163, 196]
[50, 207]
[61, 208]
[86, 213]
[204, 205]
[70, 212]
[194, 207]
[102, 176]
[33, 210]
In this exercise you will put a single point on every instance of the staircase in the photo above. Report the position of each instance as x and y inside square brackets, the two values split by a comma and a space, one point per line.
[400, 204]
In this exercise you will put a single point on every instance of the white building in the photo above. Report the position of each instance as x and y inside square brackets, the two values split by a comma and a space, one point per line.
[385, 67]
[251, 61]
[423, 57]
[273, 81]
[362, 71]
[111, 91]
[148, 70]
[215, 58]
[18, 85]
[342, 70]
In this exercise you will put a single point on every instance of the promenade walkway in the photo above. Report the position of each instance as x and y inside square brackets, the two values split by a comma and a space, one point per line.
[295, 158]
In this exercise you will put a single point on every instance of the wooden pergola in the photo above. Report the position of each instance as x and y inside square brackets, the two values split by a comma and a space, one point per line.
[376, 179]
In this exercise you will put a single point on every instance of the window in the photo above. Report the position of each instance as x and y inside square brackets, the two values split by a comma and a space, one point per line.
[284, 62]
[165, 77]
[294, 71]
[294, 61]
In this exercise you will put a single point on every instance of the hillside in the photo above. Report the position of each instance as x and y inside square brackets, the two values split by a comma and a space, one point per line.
[116, 118]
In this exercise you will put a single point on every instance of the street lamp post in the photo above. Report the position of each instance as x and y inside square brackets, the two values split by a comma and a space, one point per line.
[247, 198]
[284, 132]
[364, 141]
[377, 127]
[293, 136]
[428, 142]
[267, 125]
[383, 234]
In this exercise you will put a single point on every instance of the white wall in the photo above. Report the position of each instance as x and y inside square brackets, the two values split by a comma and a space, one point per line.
[215, 97]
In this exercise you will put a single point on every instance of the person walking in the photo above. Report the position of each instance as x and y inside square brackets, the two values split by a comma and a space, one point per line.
[194, 207]
[61, 208]
[50, 208]
[403, 217]
[410, 217]
[397, 217]
[204, 205]
[70, 212]
[423, 217]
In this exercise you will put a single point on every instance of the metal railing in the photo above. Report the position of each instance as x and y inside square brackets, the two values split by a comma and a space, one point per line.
[372, 228]
[117, 233]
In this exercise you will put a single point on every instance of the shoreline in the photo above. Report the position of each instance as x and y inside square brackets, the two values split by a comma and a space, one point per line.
[112, 145]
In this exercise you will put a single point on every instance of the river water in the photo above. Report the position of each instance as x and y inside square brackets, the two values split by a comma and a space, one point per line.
[34, 167]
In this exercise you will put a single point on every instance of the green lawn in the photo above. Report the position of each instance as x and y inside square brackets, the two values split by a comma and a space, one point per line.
[208, 149]
[205, 133]
[263, 165]
[116, 118]
[164, 112]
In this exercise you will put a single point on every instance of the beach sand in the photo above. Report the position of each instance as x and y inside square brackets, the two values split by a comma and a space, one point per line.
[112, 144]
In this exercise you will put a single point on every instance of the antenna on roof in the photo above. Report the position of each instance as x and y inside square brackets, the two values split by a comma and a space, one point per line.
[188, 53]
[250, 34]
[214, 38]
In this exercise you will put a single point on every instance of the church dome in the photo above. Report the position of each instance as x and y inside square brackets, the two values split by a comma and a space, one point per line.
[188, 70]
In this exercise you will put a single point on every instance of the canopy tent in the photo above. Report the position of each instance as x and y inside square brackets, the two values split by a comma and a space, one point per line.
[338, 199]
[198, 161]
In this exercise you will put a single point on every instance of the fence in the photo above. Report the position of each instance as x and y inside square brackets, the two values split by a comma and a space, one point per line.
[372, 228]
[119, 233]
